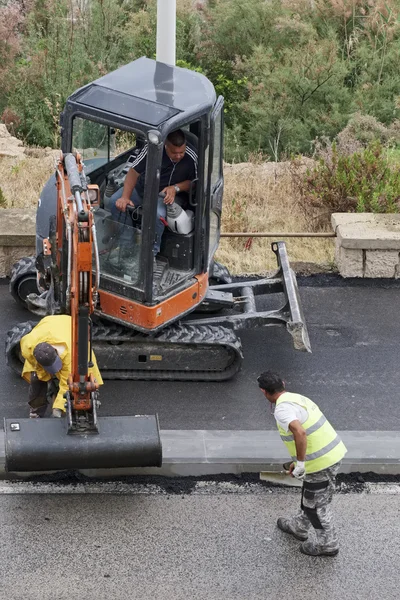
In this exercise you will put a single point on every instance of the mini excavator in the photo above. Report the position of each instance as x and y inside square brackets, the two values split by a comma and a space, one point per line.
[170, 318]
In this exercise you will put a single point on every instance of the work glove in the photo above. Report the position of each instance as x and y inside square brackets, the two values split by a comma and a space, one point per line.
[299, 471]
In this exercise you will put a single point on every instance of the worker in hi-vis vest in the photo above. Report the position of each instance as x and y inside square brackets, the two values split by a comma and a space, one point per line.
[316, 451]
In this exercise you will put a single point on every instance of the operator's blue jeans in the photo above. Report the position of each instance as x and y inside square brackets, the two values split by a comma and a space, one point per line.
[117, 215]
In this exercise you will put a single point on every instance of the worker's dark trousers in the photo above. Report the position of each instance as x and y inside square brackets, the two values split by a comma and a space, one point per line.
[317, 493]
[41, 393]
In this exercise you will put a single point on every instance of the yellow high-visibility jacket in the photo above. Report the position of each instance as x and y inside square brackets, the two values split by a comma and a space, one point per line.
[324, 446]
[54, 329]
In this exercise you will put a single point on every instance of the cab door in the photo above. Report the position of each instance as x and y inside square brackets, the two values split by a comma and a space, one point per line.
[215, 180]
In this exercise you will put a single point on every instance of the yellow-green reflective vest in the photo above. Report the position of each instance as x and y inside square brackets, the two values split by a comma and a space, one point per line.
[324, 446]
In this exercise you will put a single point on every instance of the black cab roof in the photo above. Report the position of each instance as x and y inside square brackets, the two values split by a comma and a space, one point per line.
[147, 92]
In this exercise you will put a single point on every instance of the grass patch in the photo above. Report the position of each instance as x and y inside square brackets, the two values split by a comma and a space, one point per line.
[23, 180]
[264, 198]
[258, 197]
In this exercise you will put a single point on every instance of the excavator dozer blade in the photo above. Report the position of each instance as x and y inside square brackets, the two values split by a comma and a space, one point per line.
[45, 445]
[296, 325]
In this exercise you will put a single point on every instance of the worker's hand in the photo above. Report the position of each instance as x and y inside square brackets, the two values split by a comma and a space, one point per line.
[297, 470]
[169, 194]
[122, 203]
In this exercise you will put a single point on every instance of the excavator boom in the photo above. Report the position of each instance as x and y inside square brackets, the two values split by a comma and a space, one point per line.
[82, 439]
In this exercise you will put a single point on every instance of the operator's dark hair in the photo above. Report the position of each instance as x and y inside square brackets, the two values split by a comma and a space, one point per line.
[270, 382]
[176, 138]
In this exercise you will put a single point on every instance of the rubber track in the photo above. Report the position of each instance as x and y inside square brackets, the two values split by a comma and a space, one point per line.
[182, 334]
[12, 344]
[18, 270]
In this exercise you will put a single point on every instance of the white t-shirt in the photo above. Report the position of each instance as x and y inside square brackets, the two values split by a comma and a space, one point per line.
[287, 411]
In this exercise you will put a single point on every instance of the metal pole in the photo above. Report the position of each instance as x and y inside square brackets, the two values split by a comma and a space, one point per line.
[166, 31]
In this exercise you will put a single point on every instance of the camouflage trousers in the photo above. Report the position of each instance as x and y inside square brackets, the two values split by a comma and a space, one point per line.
[316, 512]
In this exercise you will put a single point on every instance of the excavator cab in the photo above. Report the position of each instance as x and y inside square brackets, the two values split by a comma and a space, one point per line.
[149, 100]
[172, 316]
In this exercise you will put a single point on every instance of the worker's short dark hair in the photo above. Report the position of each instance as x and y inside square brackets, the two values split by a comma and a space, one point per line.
[176, 138]
[270, 382]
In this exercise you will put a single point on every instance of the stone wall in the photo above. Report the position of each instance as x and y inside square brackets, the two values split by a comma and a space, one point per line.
[367, 245]
[17, 236]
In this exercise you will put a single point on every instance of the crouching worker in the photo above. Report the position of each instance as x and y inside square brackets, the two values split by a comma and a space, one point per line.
[48, 364]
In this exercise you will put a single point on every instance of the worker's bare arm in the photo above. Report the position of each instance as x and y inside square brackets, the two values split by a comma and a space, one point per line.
[300, 440]
[129, 185]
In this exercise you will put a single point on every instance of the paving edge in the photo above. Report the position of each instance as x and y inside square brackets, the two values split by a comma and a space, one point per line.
[199, 452]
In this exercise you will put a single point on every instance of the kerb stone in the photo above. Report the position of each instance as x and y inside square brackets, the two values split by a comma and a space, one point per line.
[381, 263]
[17, 227]
[349, 262]
[10, 255]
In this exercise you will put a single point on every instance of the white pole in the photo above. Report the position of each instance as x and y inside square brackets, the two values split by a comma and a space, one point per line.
[166, 31]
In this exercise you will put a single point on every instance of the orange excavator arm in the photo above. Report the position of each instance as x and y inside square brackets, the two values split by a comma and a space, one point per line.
[58, 444]
[75, 217]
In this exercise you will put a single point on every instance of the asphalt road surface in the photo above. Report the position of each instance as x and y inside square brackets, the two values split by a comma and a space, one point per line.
[353, 373]
[224, 546]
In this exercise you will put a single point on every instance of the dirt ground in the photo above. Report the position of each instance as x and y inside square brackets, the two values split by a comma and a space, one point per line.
[258, 198]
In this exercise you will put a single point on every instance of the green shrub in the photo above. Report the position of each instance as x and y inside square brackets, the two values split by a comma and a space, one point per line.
[365, 181]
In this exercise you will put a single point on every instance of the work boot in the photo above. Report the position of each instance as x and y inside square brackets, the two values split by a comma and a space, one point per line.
[312, 549]
[57, 413]
[284, 525]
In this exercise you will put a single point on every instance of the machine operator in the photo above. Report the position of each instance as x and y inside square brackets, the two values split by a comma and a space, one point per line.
[47, 353]
[178, 170]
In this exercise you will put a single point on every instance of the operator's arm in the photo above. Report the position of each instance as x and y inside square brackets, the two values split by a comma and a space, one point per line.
[170, 191]
[129, 185]
[184, 186]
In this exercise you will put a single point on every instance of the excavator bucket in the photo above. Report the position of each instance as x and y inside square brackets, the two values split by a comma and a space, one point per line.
[46, 445]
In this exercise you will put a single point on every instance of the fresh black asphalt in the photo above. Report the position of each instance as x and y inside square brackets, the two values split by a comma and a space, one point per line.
[353, 373]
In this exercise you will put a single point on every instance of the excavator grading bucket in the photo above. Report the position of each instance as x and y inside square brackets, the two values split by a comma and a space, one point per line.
[45, 445]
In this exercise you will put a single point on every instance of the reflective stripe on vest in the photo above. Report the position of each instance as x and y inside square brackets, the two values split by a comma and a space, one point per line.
[324, 446]
[309, 430]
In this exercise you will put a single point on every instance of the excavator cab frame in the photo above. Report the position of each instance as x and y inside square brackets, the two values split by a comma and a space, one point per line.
[187, 257]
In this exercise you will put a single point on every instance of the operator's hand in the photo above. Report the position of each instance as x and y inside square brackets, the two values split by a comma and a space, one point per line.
[297, 470]
[122, 203]
[169, 194]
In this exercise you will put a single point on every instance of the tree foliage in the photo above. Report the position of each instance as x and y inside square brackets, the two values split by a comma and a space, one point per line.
[364, 181]
[290, 70]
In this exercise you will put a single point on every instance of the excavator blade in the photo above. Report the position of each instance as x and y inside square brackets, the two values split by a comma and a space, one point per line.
[45, 445]
[296, 324]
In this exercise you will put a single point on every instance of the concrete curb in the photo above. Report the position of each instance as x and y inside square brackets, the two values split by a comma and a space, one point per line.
[214, 452]
[367, 244]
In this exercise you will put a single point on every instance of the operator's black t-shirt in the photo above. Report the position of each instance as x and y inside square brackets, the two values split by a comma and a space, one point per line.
[171, 172]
